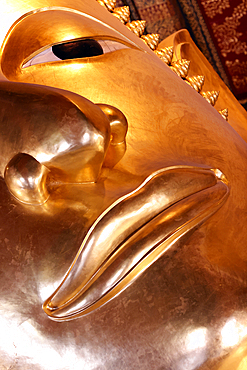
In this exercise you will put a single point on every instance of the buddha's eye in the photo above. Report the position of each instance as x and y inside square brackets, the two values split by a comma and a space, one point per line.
[83, 48]
[78, 49]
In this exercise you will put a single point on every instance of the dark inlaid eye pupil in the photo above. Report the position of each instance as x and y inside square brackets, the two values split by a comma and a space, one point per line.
[77, 49]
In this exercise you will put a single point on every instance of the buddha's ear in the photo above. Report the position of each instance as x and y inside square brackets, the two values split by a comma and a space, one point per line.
[204, 79]
[119, 127]
[26, 179]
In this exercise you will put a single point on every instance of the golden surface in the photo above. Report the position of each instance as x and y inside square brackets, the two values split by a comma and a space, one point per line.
[224, 113]
[137, 27]
[26, 179]
[181, 67]
[151, 40]
[122, 13]
[162, 214]
[141, 193]
[196, 82]
[211, 96]
[165, 54]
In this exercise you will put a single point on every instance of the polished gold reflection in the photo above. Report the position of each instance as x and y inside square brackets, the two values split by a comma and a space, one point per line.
[132, 200]
[75, 141]
[159, 213]
[26, 179]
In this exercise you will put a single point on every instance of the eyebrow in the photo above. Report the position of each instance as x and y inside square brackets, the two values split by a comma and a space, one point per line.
[70, 10]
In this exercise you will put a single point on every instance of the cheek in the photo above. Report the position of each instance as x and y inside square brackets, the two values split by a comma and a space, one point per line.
[169, 123]
[117, 75]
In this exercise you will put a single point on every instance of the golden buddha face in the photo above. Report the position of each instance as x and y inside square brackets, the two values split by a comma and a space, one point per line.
[168, 122]
[174, 136]
[122, 72]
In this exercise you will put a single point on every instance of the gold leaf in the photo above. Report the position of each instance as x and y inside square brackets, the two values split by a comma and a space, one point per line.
[181, 67]
[196, 82]
[137, 27]
[122, 13]
[211, 96]
[165, 54]
[224, 113]
[108, 4]
[151, 40]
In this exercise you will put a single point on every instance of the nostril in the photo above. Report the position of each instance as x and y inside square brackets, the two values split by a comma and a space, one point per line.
[119, 128]
[77, 49]
[118, 123]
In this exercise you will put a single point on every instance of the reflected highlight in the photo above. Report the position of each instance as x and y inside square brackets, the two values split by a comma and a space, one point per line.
[232, 333]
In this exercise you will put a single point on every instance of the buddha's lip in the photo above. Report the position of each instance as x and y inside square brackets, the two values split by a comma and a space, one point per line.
[133, 233]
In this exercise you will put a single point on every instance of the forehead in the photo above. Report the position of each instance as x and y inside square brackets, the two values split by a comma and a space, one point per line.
[12, 11]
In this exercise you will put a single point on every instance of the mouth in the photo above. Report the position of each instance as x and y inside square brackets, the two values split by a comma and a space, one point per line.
[131, 234]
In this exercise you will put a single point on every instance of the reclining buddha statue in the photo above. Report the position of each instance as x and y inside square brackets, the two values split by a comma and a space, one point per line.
[123, 203]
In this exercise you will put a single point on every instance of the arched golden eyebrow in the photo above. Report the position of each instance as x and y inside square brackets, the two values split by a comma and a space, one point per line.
[48, 26]
[117, 33]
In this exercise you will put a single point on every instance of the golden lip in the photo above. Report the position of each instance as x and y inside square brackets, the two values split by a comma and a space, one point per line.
[133, 233]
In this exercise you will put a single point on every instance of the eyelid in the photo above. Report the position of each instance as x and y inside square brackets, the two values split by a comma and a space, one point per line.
[47, 55]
